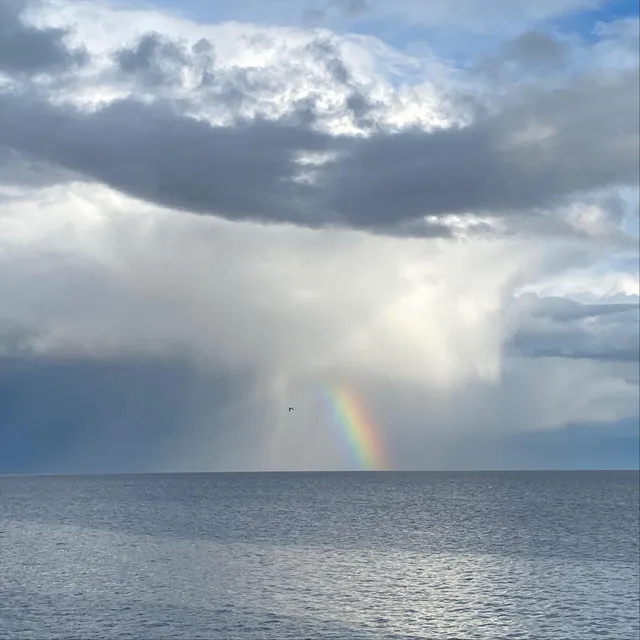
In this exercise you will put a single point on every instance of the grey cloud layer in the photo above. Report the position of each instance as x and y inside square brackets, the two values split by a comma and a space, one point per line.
[248, 170]
[27, 50]
[153, 153]
[588, 140]
[562, 328]
[540, 146]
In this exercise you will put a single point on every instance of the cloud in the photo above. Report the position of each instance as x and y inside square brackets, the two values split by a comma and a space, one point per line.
[132, 147]
[156, 60]
[537, 151]
[533, 154]
[534, 47]
[18, 169]
[566, 310]
[528, 151]
[531, 51]
[288, 278]
[558, 327]
[25, 49]
[453, 247]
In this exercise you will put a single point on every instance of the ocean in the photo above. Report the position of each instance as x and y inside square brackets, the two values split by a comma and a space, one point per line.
[351, 556]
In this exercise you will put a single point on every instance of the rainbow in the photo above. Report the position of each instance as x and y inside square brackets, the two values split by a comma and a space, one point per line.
[349, 414]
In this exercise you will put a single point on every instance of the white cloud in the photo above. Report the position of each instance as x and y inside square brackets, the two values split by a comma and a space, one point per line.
[282, 64]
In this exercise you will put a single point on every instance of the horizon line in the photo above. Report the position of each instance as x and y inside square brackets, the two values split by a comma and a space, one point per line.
[96, 474]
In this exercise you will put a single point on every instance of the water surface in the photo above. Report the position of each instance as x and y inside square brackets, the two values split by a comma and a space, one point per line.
[321, 555]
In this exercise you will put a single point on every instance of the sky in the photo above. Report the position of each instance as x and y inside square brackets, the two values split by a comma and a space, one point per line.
[414, 222]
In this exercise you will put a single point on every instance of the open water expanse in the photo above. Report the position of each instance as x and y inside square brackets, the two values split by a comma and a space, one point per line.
[321, 555]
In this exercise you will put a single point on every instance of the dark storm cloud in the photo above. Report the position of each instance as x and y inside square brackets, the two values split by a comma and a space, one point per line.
[244, 171]
[107, 415]
[539, 149]
[27, 50]
[573, 140]
[151, 152]
[563, 328]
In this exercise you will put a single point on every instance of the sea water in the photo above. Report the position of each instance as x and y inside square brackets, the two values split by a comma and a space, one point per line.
[321, 555]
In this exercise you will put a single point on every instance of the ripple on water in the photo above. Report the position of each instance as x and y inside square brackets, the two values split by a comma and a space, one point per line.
[76, 574]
